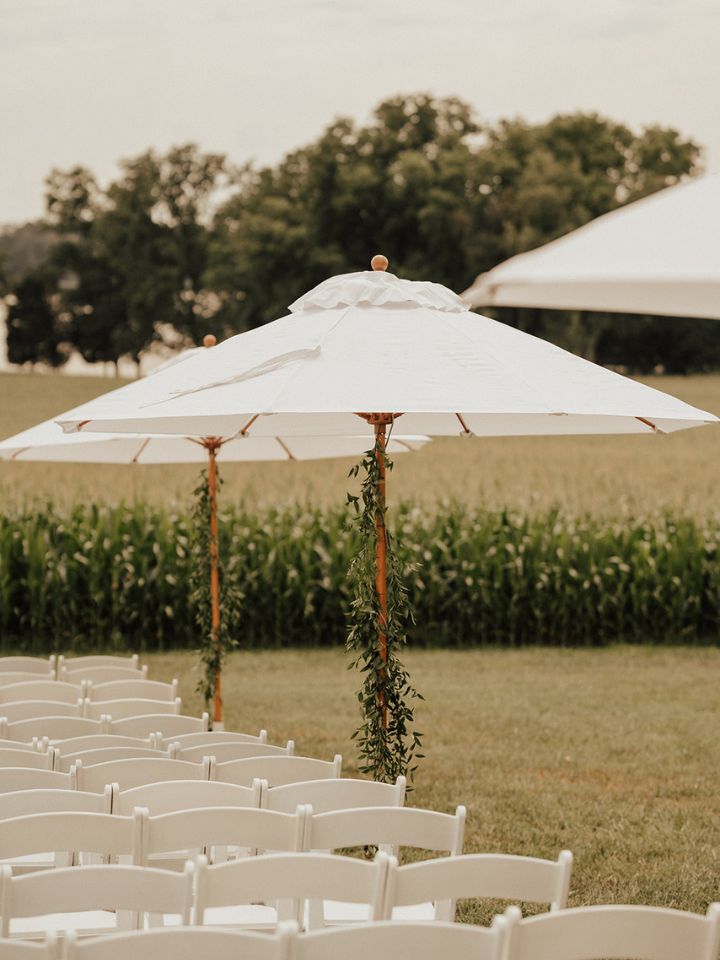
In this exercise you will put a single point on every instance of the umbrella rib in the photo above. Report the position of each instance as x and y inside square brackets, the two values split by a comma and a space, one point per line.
[286, 449]
[251, 421]
[466, 430]
[145, 442]
[648, 423]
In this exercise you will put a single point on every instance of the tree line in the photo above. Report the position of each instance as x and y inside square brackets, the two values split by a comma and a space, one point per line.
[185, 243]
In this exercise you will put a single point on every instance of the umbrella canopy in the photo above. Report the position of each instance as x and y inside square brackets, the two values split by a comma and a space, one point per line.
[659, 255]
[370, 342]
[46, 442]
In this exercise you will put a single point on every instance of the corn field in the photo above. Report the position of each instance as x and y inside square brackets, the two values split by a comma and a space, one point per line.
[117, 578]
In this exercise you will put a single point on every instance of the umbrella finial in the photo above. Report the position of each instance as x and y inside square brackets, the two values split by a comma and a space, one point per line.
[209, 340]
[379, 262]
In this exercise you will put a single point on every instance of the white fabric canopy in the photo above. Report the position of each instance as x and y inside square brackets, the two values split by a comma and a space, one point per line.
[659, 255]
[47, 442]
[369, 342]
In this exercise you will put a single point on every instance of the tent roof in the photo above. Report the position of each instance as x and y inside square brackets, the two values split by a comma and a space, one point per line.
[659, 255]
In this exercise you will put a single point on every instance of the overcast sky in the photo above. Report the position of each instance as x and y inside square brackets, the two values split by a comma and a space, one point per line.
[90, 81]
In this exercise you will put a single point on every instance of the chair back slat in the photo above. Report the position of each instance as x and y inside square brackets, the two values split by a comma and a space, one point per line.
[135, 772]
[277, 770]
[171, 797]
[615, 933]
[335, 794]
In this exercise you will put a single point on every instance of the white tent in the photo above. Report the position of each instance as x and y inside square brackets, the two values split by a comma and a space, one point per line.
[659, 256]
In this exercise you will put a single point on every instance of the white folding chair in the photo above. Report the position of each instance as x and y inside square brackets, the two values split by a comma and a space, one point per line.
[30, 746]
[88, 758]
[68, 834]
[167, 726]
[29, 950]
[40, 666]
[223, 752]
[53, 728]
[27, 758]
[388, 827]
[217, 736]
[228, 892]
[22, 803]
[22, 676]
[206, 828]
[614, 932]
[35, 709]
[121, 709]
[90, 898]
[135, 772]
[337, 794]
[277, 770]
[101, 674]
[53, 690]
[182, 943]
[472, 876]
[403, 941]
[132, 689]
[175, 795]
[98, 741]
[13, 779]
[99, 660]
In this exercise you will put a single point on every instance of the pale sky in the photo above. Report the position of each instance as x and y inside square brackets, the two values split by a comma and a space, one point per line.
[90, 81]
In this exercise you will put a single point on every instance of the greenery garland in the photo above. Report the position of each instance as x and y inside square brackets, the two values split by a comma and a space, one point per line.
[388, 746]
[212, 651]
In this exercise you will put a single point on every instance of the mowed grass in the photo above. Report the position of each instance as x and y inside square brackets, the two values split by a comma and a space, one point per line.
[612, 754]
[604, 475]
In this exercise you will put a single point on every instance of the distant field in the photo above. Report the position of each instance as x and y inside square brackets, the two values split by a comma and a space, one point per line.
[612, 754]
[603, 475]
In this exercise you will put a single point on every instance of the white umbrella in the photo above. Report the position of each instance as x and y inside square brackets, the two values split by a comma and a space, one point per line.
[46, 442]
[368, 349]
[659, 255]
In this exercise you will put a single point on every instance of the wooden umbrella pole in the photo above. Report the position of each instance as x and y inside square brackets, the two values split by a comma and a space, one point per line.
[381, 553]
[214, 582]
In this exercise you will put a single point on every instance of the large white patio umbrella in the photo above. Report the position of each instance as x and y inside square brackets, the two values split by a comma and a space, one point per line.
[368, 350]
[659, 255]
[46, 442]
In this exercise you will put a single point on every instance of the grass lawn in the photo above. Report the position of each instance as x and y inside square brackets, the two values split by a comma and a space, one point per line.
[607, 475]
[611, 753]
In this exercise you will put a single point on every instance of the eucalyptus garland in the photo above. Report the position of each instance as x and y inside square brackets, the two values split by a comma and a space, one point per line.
[388, 745]
[213, 649]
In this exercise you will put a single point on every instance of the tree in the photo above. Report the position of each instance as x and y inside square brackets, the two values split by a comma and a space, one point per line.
[34, 331]
[134, 255]
[439, 194]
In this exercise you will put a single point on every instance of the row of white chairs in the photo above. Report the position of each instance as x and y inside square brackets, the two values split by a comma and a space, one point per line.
[97, 668]
[54, 728]
[613, 932]
[60, 758]
[135, 771]
[61, 691]
[95, 741]
[264, 890]
[92, 709]
[141, 837]
[175, 795]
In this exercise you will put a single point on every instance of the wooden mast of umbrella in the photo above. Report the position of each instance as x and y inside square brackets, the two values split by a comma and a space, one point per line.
[212, 445]
[380, 423]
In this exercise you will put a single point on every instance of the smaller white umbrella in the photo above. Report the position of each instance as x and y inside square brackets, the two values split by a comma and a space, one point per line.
[46, 442]
[659, 256]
